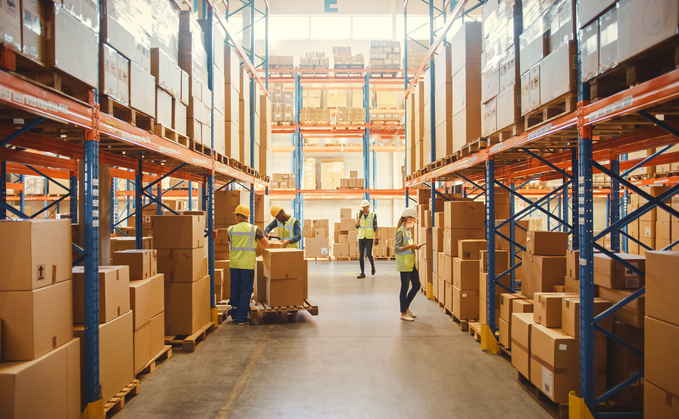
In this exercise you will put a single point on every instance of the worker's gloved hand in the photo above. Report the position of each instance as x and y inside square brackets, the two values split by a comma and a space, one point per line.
[286, 242]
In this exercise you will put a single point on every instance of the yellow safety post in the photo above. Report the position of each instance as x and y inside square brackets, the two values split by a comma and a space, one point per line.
[488, 341]
[577, 408]
[430, 291]
[215, 316]
[94, 410]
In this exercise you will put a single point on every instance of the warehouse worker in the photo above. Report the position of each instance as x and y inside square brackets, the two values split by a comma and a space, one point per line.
[366, 223]
[243, 241]
[289, 229]
[406, 262]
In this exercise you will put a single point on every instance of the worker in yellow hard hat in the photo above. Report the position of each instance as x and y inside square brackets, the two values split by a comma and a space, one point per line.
[366, 223]
[243, 241]
[288, 227]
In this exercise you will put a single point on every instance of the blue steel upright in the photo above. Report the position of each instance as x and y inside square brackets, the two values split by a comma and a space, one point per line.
[210, 177]
[73, 200]
[253, 105]
[3, 189]
[490, 239]
[138, 205]
[615, 205]
[366, 136]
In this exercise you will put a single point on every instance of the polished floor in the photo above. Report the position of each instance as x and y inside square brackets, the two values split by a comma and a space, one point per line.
[356, 359]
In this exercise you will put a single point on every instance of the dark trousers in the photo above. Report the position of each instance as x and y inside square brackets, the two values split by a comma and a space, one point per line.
[407, 297]
[365, 246]
[242, 281]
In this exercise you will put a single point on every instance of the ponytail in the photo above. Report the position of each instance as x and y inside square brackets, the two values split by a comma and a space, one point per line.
[400, 222]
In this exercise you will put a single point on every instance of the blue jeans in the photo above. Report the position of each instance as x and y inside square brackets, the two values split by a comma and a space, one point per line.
[242, 281]
[406, 297]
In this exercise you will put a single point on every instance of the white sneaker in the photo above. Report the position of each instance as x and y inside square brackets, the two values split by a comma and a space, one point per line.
[407, 317]
[411, 314]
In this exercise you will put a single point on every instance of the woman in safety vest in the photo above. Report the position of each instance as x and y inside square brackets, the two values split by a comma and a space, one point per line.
[406, 262]
[287, 226]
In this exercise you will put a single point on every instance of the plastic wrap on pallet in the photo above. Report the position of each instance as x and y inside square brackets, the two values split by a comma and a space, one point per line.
[165, 28]
[135, 17]
[187, 23]
[498, 32]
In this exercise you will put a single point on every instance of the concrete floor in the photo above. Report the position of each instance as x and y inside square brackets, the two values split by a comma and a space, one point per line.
[355, 359]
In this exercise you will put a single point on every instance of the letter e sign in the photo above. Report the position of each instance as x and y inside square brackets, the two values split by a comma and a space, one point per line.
[331, 6]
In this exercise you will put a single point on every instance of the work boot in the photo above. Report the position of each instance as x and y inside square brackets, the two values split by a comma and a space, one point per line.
[407, 317]
[362, 275]
[373, 270]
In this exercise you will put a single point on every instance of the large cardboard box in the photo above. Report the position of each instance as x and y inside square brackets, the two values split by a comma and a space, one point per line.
[521, 328]
[114, 294]
[465, 303]
[662, 17]
[659, 403]
[555, 362]
[147, 299]
[178, 231]
[466, 274]
[505, 334]
[285, 292]
[547, 308]
[662, 287]
[464, 214]
[182, 265]
[573, 264]
[47, 387]
[73, 58]
[116, 356]
[611, 274]
[662, 339]
[570, 315]
[347, 224]
[35, 322]
[451, 237]
[541, 273]
[143, 263]
[521, 305]
[283, 263]
[317, 247]
[39, 253]
[547, 243]
[501, 261]
[187, 306]
[558, 74]
[149, 339]
[470, 249]
[590, 9]
[632, 313]
[506, 305]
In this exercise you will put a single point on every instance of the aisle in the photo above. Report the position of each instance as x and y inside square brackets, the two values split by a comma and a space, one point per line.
[355, 359]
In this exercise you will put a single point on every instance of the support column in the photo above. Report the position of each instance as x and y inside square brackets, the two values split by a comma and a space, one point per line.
[615, 205]
[512, 236]
[490, 239]
[138, 206]
[3, 189]
[575, 193]
[103, 210]
[22, 198]
[190, 202]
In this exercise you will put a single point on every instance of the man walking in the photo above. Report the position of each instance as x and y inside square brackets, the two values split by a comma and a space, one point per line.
[288, 227]
[243, 241]
[366, 223]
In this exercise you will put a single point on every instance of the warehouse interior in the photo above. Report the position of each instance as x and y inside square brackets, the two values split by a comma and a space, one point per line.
[512, 164]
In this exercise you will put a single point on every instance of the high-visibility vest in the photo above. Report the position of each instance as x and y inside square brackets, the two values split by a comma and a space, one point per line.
[365, 227]
[286, 231]
[243, 246]
[405, 260]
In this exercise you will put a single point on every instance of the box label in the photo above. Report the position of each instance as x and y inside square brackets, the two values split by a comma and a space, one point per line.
[547, 382]
[632, 282]
[563, 347]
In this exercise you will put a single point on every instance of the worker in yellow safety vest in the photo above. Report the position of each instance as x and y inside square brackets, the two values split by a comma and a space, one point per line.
[243, 241]
[366, 223]
[288, 227]
[406, 262]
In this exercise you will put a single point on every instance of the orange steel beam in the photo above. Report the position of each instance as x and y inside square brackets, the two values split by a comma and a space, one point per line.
[27, 157]
[20, 169]
[14, 186]
[336, 149]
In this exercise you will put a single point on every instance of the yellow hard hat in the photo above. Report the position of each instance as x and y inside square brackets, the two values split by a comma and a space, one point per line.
[242, 210]
[275, 210]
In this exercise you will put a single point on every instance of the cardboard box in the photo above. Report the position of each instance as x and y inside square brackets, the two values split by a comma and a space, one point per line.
[663, 17]
[149, 340]
[505, 334]
[35, 322]
[345, 214]
[662, 288]
[541, 273]
[659, 403]
[187, 306]
[521, 328]
[466, 274]
[285, 292]
[465, 304]
[116, 356]
[316, 247]
[142, 86]
[611, 274]
[347, 224]
[573, 264]
[593, 8]
[558, 74]
[147, 299]
[501, 261]
[114, 294]
[555, 362]
[522, 305]
[451, 237]
[608, 40]
[340, 249]
[590, 51]
[662, 339]
[182, 265]
[570, 315]
[632, 313]
[470, 249]
[506, 305]
[178, 231]
[547, 243]
[283, 263]
[483, 288]
[464, 214]
[547, 308]
[572, 285]
[142, 263]
[219, 284]
[54, 378]
[73, 58]
[11, 25]
[38, 255]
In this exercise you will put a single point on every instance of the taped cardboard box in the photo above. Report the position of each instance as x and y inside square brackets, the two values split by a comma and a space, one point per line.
[464, 214]
[466, 274]
[470, 249]
[285, 292]
[632, 313]
[187, 306]
[451, 237]
[521, 328]
[547, 243]
[149, 340]
[547, 308]
[662, 288]
[659, 350]
[501, 261]
[506, 305]
[114, 294]
[611, 274]
[142, 263]
[147, 299]
[465, 304]
[179, 231]
[570, 315]
[283, 263]
[541, 273]
[182, 265]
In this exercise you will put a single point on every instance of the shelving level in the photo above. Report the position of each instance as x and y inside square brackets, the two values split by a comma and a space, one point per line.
[595, 138]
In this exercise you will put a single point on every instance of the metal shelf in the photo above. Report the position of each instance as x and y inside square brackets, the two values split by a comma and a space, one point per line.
[337, 149]
[322, 194]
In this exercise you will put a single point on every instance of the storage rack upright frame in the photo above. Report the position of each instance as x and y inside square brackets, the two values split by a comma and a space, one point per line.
[70, 114]
[573, 135]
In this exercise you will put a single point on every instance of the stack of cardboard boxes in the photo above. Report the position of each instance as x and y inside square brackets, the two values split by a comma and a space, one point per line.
[656, 229]
[231, 102]
[466, 285]
[351, 116]
[283, 181]
[316, 235]
[332, 170]
[346, 236]
[343, 58]
[309, 181]
[383, 246]
[147, 302]
[501, 265]
[314, 59]
[312, 99]
[385, 55]
[183, 262]
[37, 349]
[544, 264]
[280, 61]
[284, 276]
[312, 116]
[353, 182]
[281, 104]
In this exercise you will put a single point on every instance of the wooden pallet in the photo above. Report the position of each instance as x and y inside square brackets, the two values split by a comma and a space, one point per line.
[223, 311]
[546, 113]
[281, 123]
[235, 164]
[325, 259]
[117, 403]
[159, 359]
[170, 134]
[504, 352]
[508, 132]
[112, 107]
[221, 158]
[556, 410]
[190, 343]
[475, 331]
[474, 147]
[259, 309]
[462, 324]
